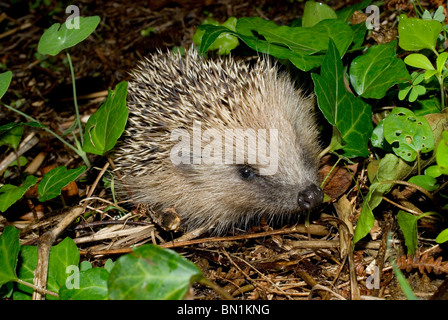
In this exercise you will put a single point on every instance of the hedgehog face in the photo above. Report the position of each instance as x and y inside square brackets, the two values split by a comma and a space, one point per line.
[241, 192]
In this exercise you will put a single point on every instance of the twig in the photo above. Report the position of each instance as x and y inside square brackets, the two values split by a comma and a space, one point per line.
[402, 207]
[223, 293]
[422, 190]
[43, 248]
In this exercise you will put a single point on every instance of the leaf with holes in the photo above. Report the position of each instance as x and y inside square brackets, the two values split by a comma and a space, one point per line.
[412, 133]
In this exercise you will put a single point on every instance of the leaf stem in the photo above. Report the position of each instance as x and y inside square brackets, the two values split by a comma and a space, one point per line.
[442, 92]
[409, 184]
[75, 100]
[79, 152]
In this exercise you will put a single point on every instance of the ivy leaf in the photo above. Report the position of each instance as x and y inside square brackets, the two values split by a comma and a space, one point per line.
[415, 34]
[53, 181]
[5, 80]
[57, 37]
[373, 73]
[151, 272]
[9, 194]
[107, 124]
[302, 46]
[351, 115]
[62, 255]
[9, 253]
[92, 286]
[299, 39]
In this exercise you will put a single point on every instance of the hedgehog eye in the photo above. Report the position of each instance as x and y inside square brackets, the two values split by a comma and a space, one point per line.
[246, 172]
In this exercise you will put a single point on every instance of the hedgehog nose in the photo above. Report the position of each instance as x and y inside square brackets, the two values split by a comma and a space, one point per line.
[310, 197]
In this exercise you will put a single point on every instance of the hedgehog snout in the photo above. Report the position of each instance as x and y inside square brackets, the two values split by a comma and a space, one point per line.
[311, 197]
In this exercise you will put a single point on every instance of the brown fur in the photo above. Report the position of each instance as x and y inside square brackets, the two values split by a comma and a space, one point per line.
[169, 92]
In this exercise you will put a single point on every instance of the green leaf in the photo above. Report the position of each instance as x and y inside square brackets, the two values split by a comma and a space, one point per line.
[11, 137]
[27, 265]
[420, 90]
[298, 39]
[429, 73]
[63, 255]
[412, 133]
[53, 181]
[314, 12]
[408, 225]
[107, 124]
[5, 80]
[377, 138]
[425, 181]
[441, 153]
[366, 219]
[433, 171]
[92, 286]
[351, 115]
[426, 15]
[440, 62]
[442, 237]
[416, 34]
[418, 60]
[151, 272]
[9, 194]
[9, 252]
[438, 15]
[404, 92]
[225, 42]
[57, 37]
[374, 72]
[359, 35]
[301, 46]
[427, 106]
[388, 168]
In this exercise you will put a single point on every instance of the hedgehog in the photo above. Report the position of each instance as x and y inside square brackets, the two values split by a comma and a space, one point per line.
[190, 117]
